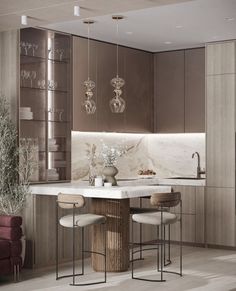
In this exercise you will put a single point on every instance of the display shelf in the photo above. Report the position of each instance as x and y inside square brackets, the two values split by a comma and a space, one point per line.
[45, 92]
[44, 89]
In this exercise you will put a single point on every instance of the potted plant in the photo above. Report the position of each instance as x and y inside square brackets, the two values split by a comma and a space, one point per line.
[17, 163]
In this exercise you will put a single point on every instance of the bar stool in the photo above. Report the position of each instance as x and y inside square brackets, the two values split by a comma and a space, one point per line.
[80, 221]
[141, 209]
[160, 219]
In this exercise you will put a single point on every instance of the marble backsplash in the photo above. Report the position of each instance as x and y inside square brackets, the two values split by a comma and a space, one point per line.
[167, 154]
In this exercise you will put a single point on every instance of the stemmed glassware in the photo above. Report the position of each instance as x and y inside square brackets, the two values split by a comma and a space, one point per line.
[28, 47]
[32, 77]
[56, 53]
[34, 48]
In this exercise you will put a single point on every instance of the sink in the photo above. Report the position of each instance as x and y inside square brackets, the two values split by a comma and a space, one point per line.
[187, 178]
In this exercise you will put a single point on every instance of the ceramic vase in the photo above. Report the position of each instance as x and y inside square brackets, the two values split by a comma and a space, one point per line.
[109, 173]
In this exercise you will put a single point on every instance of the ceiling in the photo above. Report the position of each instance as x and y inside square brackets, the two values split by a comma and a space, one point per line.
[152, 25]
[51, 11]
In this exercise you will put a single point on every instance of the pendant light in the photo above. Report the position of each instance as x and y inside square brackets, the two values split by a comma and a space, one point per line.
[117, 103]
[89, 104]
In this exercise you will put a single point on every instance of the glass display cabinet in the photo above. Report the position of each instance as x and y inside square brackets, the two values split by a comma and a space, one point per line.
[45, 101]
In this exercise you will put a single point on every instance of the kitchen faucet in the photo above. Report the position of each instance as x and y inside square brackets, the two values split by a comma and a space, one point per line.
[199, 170]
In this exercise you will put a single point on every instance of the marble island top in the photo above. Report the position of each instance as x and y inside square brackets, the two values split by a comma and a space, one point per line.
[116, 192]
[128, 188]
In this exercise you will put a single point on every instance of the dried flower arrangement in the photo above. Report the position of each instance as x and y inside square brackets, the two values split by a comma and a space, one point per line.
[17, 163]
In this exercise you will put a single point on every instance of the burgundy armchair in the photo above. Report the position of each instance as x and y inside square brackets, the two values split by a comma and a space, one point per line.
[10, 245]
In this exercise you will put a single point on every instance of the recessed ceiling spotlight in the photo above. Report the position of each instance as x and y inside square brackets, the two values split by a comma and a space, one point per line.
[179, 26]
[129, 32]
[168, 42]
[76, 10]
[229, 18]
[24, 19]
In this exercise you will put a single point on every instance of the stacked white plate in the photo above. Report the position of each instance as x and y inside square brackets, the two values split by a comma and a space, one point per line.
[52, 146]
[26, 113]
[52, 174]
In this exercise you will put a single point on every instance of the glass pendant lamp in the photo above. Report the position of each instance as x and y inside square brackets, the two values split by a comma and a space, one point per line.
[117, 103]
[89, 104]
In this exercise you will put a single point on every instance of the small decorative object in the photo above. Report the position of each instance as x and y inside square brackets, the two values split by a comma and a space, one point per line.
[98, 182]
[107, 184]
[91, 155]
[110, 172]
[146, 172]
[110, 156]
[89, 104]
[117, 103]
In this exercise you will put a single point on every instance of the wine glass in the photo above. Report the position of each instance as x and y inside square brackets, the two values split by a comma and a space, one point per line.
[34, 48]
[32, 77]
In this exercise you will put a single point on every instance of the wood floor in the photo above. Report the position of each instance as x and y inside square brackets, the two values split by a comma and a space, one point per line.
[203, 269]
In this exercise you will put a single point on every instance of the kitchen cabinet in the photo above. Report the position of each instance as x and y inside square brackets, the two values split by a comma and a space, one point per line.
[106, 71]
[44, 103]
[81, 119]
[194, 110]
[220, 145]
[135, 67]
[193, 210]
[220, 58]
[138, 75]
[220, 141]
[179, 91]
[220, 216]
[169, 92]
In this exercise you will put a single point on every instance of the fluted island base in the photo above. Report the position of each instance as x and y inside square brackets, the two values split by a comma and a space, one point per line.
[117, 213]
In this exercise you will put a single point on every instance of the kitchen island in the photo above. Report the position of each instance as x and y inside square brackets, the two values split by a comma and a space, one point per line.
[114, 202]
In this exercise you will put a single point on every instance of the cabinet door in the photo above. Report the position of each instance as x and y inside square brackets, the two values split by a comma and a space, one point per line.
[221, 130]
[138, 91]
[169, 92]
[220, 58]
[195, 90]
[188, 196]
[81, 120]
[200, 214]
[220, 216]
[106, 71]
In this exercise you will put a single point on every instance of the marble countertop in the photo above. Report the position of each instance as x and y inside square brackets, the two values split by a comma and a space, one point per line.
[117, 192]
[163, 181]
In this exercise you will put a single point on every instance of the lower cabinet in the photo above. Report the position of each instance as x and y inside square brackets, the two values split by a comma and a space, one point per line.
[220, 216]
[193, 216]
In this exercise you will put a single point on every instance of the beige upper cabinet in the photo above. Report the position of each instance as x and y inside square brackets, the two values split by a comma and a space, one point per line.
[195, 90]
[169, 92]
[179, 91]
[220, 58]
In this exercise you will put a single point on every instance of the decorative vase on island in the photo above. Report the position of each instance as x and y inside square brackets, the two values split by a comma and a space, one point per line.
[109, 172]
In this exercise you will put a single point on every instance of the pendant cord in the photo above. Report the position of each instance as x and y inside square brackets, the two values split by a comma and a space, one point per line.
[88, 51]
[117, 47]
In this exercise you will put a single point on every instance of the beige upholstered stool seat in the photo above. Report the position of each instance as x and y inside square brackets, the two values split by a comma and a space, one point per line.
[82, 220]
[154, 218]
[135, 210]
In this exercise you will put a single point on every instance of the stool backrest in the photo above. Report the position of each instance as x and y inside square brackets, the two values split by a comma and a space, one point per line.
[166, 199]
[69, 201]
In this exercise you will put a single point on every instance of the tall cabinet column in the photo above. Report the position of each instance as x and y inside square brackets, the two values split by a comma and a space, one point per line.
[220, 143]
